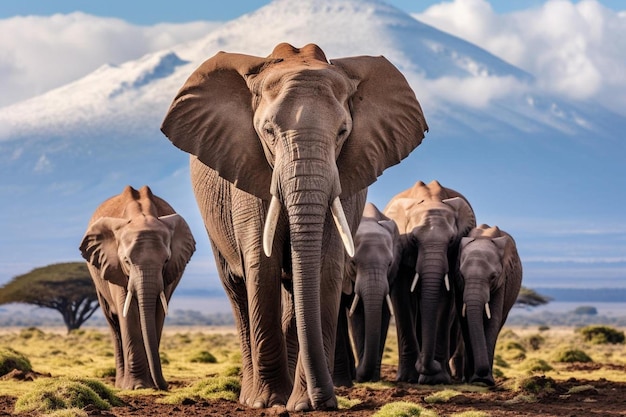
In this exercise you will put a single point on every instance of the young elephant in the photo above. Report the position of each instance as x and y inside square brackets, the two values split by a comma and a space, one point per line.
[369, 276]
[489, 282]
[136, 249]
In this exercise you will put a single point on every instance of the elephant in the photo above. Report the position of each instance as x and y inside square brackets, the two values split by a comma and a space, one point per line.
[295, 139]
[489, 281]
[136, 247]
[369, 277]
[432, 219]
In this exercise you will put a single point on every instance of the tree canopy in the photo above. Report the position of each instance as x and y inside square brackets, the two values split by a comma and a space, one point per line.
[530, 298]
[65, 287]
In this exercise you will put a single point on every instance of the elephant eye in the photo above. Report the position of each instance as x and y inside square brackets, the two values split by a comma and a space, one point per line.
[268, 129]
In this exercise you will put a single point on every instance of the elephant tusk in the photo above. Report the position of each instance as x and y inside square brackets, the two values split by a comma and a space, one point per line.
[129, 298]
[342, 226]
[464, 310]
[415, 279]
[446, 280]
[270, 226]
[163, 302]
[354, 304]
[488, 311]
[389, 305]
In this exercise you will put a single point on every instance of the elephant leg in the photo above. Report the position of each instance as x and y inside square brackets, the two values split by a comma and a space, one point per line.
[344, 369]
[236, 291]
[404, 304]
[116, 337]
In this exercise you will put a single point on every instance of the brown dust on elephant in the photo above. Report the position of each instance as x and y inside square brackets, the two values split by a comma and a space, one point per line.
[489, 281]
[366, 303]
[137, 248]
[432, 219]
[283, 149]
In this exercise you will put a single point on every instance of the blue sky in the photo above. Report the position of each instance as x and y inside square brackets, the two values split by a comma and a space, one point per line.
[562, 43]
[144, 12]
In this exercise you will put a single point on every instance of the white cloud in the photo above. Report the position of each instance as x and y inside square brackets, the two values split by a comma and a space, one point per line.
[577, 50]
[476, 91]
[38, 53]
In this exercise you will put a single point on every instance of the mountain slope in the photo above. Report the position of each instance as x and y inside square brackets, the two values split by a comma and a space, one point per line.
[520, 156]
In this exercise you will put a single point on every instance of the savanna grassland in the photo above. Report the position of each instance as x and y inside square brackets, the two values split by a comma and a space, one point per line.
[540, 371]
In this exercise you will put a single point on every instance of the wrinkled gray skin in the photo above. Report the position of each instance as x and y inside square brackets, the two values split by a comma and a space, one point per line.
[287, 137]
[135, 243]
[490, 274]
[432, 220]
[370, 275]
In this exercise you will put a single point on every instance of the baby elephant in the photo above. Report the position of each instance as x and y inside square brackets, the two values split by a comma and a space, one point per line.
[369, 278]
[136, 249]
[489, 282]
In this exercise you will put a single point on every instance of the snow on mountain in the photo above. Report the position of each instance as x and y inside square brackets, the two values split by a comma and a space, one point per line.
[530, 162]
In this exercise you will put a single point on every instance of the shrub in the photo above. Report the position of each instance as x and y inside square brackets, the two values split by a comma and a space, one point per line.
[64, 393]
[535, 341]
[569, 355]
[204, 357]
[442, 396]
[543, 328]
[586, 310]
[536, 384]
[224, 387]
[536, 365]
[11, 359]
[602, 335]
[403, 409]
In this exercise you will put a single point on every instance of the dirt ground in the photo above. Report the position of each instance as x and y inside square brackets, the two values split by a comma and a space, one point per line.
[603, 398]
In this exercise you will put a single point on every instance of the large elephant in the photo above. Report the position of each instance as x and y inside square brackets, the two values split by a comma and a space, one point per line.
[291, 138]
[370, 274]
[432, 219]
[136, 249]
[488, 284]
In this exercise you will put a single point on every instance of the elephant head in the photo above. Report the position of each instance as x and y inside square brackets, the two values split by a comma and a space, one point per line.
[489, 281]
[372, 270]
[432, 219]
[145, 255]
[302, 132]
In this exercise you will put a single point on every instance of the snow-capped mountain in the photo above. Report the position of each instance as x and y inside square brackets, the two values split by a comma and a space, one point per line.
[548, 171]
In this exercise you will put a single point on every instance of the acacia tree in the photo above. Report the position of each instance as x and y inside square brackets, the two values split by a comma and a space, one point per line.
[530, 298]
[65, 287]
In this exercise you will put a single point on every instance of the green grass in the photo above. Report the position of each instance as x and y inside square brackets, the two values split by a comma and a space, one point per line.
[442, 396]
[403, 409]
[221, 387]
[11, 360]
[51, 394]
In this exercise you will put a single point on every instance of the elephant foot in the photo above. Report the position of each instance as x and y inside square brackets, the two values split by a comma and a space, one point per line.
[436, 379]
[264, 396]
[482, 380]
[434, 374]
[299, 401]
[407, 374]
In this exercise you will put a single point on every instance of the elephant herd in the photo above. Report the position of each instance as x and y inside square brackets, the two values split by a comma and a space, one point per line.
[448, 284]
[282, 151]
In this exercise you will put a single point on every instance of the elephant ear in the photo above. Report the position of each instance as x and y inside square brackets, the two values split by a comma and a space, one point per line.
[387, 121]
[182, 247]
[211, 118]
[99, 248]
[465, 218]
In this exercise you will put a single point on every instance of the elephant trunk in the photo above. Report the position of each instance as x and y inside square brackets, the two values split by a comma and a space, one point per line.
[148, 299]
[475, 311]
[306, 196]
[373, 305]
[432, 267]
